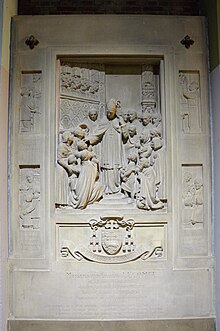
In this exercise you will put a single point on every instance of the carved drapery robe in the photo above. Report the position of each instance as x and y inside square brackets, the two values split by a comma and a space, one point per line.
[62, 178]
[112, 136]
[148, 197]
[87, 189]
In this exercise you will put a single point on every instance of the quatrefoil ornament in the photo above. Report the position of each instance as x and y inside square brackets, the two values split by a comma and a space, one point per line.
[187, 41]
[31, 41]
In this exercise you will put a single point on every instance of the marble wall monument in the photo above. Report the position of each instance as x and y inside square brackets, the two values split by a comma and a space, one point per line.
[110, 210]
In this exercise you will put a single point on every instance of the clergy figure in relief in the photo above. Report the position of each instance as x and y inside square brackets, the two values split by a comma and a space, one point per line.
[31, 195]
[63, 169]
[87, 189]
[129, 183]
[148, 198]
[112, 132]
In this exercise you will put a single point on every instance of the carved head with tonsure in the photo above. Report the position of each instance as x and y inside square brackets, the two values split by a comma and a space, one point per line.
[132, 115]
[93, 114]
[146, 119]
[132, 130]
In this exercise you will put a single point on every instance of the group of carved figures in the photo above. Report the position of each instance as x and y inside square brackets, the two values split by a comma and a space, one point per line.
[82, 80]
[117, 154]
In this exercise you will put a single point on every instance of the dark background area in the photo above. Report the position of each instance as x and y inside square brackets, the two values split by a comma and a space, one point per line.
[140, 7]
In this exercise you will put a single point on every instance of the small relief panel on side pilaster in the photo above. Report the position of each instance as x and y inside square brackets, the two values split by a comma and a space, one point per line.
[193, 240]
[30, 243]
[190, 101]
[30, 101]
[192, 196]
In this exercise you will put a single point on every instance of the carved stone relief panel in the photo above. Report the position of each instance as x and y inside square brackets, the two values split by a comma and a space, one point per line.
[193, 229]
[29, 197]
[150, 91]
[84, 81]
[110, 149]
[30, 101]
[109, 193]
[29, 211]
[190, 101]
[192, 196]
[112, 240]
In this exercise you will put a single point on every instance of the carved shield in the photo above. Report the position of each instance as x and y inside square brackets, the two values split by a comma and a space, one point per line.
[111, 240]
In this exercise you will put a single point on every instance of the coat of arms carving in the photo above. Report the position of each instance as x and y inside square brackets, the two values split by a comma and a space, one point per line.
[112, 242]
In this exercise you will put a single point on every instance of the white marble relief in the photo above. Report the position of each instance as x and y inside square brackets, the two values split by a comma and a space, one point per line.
[112, 241]
[149, 89]
[192, 197]
[30, 99]
[29, 198]
[190, 106]
[78, 81]
[116, 151]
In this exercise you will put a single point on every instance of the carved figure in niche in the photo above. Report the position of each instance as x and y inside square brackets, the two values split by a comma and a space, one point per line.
[113, 134]
[30, 95]
[147, 198]
[63, 169]
[197, 214]
[129, 184]
[190, 103]
[87, 189]
[188, 190]
[192, 199]
[30, 198]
